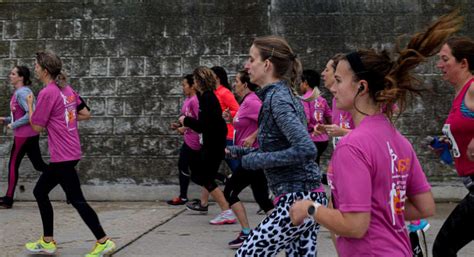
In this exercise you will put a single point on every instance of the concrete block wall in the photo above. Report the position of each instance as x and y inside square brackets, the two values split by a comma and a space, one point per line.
[127, 59]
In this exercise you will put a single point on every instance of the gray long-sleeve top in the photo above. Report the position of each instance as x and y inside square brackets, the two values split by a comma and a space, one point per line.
[286, 152]
[20, 94]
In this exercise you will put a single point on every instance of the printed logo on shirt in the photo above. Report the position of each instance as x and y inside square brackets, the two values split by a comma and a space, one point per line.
[318, 111]
[70, 113]
[455, 149]
[399, 174]
[344, 121]
[330, 174]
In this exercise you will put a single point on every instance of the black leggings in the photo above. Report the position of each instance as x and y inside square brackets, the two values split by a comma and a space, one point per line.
[22, 146]
[258, 183]
[64, 174]
[204, 171]
[457, 231]
[321, 146]
[187, 158]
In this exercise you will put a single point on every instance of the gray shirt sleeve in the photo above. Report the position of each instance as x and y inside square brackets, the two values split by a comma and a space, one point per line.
[25, 119]
[301, 147]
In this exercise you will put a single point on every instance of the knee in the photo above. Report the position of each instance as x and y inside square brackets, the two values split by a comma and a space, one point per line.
[230, 197]
[40, 194]
[210, 185]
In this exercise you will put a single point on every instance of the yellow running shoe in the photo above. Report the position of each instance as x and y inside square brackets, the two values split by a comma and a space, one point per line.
[41, 246]
[100, 249]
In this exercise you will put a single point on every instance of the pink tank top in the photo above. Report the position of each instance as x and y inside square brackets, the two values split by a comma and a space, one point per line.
[460, 130]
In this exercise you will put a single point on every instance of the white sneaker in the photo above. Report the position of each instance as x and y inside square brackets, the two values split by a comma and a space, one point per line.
[225, 217]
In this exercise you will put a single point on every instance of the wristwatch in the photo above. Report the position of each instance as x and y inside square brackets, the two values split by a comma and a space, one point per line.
[313, 208]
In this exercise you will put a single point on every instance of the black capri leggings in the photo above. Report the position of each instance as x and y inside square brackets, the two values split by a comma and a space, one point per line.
[258, 183]
[64, 174]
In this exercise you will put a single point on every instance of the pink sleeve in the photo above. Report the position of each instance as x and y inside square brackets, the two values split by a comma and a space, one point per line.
[352, 179]
[417, 182]
[43, 109]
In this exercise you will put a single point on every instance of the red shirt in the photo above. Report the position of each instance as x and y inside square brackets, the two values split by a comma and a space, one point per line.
[460, 130]
[227, 100]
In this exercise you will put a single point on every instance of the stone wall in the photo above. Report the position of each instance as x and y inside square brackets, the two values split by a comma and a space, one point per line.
[127, 59]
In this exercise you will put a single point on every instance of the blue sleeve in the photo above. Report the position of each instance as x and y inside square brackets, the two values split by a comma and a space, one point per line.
[25, 119]
[301, 149]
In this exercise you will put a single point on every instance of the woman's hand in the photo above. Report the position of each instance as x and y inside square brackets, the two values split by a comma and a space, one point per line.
[9, 126]
[470, 150]
[227, 116]
[181, 120]
[29, 100]
[181, 130]
[299, 211]
[335, 131]
[319, 129]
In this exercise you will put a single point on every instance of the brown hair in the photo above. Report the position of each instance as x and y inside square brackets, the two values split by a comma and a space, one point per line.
[50, 62]
[279, 53]
[336, 58]
[204, 78]
[390, 82]
[462, 48]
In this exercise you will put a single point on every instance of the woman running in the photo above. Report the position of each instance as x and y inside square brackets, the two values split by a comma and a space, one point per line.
[214, 130]
[457, 64]
[316, 109]
[376, 180]
[25, 139]
[189, 154]
[58, 110]
[245, 124]
[286, 153]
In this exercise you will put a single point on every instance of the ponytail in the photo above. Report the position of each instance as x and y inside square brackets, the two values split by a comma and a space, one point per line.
[61, 80]
[390, 82]
[400, 82]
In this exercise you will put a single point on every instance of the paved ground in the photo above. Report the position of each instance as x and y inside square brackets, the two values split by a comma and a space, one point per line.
[146, 229]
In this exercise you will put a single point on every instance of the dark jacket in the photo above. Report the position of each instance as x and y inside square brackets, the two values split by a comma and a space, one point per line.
[286, 152]
[211, 124]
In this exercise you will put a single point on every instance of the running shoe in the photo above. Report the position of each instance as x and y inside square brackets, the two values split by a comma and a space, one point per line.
[177, 201]
[41, 246]
[237, 243]
[225, 217]
[100, 249]
[6, 202]
[196, 206]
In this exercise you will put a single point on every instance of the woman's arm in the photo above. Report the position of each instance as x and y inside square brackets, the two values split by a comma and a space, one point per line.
[29, 100]
[301, 147]
[419, 206]
[83, 114]
[349, 224]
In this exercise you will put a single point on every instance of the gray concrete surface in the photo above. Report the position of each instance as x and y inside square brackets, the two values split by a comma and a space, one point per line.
[442, 191]
[147, 229]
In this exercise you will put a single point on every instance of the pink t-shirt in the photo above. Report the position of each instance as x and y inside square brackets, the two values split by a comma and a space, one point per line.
[341, 118]
[316, 112]
[191, 109]
[56, 110]
[18, 112]
[373, 169]
[245, 121]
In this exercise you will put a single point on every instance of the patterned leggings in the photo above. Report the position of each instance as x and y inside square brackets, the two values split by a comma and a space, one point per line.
[276, 232]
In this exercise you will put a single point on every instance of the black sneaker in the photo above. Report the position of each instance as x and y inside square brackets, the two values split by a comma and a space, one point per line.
[237, 243]
[196, 206]
[6, 202]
